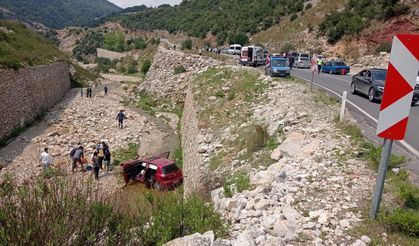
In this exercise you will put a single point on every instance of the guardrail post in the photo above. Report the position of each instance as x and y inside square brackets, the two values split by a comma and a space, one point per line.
[342, 108]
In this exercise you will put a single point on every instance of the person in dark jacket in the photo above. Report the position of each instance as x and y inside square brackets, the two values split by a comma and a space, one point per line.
[95, 161]
[120, 117]
[107, 159]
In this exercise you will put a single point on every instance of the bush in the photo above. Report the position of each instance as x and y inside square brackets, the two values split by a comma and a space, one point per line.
[409, 195]
[293, 17]
[132, 69]
[238, 38]
[146, 103]
[238, 182]
[287, 47]
[405, 221]
[308, 6]
[180, 69]
[187, 44]
[172, 216]
[140, 43]
[145, 66]
[383, 47]
[58, 211]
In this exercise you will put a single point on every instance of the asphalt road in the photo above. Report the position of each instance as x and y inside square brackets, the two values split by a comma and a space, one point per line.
[340, 83]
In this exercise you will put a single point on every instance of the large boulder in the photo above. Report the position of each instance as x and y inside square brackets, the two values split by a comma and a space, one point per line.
[297, 146]
[206, 239]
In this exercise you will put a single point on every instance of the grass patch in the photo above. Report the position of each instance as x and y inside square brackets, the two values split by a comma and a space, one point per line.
[236, 183]
[216, 161]
[147, 103]
[179, 69]
[177, 156]
[122, 155]
[402, 220]
[323, 98]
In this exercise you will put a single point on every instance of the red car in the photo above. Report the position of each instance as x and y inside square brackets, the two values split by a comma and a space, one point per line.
[157, 172]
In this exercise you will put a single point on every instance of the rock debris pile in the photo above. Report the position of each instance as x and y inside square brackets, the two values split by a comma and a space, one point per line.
[161, 79]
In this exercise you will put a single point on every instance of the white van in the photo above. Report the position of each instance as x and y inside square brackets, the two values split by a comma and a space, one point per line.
[235, 49]
[252, 55]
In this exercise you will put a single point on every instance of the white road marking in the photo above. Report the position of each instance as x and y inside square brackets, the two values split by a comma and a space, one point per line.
[403, 143]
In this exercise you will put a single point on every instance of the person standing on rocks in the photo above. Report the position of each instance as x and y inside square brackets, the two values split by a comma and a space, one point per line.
[100, 154]
[81, 91]
[78, 157]
[95, 161]
[120, 117]
[89, 92]
[106, 90]
[107, 159]
[45, 159]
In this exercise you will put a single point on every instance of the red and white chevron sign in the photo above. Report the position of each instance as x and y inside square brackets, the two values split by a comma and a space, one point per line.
[399, 87]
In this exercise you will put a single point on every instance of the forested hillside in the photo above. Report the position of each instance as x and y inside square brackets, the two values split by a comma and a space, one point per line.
[221, 17]
[60, 13]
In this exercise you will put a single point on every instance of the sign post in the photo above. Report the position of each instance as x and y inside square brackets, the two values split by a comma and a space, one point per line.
[395, 106]
[314, 69]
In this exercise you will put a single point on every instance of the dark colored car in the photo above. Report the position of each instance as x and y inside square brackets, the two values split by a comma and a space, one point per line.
[157, 172]
[335, 67]
[278, 67]
[371, 82]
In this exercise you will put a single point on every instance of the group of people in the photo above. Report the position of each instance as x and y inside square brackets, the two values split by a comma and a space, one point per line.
[101, 159]
[89, 91]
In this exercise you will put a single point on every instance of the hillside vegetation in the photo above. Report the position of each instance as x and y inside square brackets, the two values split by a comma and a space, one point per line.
[60, 13]
[19, 47]
[223, 18]
[356, 16]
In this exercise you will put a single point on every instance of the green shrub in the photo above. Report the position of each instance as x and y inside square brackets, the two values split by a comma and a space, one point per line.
[187, 44]
[180, 69]
[308, 6]
[405, 221]
[145, 66]
[287, 47]
[132, 69]
[172, 216]
[238, 38]
[220, 94]
[383, 47]
[409, 195]
[122, 155]
[114, 41]
[238, 182]
[57, 211]
[140, 43]
[177, 156]
[293, 17]
[146, 103]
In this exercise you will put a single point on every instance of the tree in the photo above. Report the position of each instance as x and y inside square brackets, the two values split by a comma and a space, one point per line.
[187, 44]
[238, 38]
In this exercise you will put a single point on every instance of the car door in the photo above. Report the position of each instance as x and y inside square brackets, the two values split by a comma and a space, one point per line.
[357, 80]
[326, 67]
[365, 81]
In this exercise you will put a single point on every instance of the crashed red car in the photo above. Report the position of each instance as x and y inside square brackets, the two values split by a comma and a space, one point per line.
[157, 172]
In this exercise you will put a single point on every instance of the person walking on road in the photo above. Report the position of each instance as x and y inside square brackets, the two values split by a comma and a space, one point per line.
[106, 90]
[319, 65]
[78, 157]
[107, 159]
[95, 161]
[120, 117]
[89, 92]
[100, 154]
[291, 60]
[45, 159]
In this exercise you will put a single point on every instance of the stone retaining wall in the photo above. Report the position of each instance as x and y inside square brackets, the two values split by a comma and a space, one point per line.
[194, 170]
[28, 92]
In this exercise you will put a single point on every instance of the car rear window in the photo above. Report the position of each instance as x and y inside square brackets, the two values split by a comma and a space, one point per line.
[304, 55]
[340, 64]
[304, 59]
[169, 169]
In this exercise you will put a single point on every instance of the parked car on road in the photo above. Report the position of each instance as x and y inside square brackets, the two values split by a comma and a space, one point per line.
[335, 67]
[234, 49]
[302, 62]
[303, 55]
[371, 82]
[278, 67]
[157, 172]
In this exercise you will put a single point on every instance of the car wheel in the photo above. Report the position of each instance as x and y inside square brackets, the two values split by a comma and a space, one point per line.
[157, 186]
[371, 93]
[353, 90]
[414, 103]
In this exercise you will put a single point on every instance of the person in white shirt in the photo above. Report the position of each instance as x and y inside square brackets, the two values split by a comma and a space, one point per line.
[45, 159]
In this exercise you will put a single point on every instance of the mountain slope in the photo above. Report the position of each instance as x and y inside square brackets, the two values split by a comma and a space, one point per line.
[198, 17]
[60, 13]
